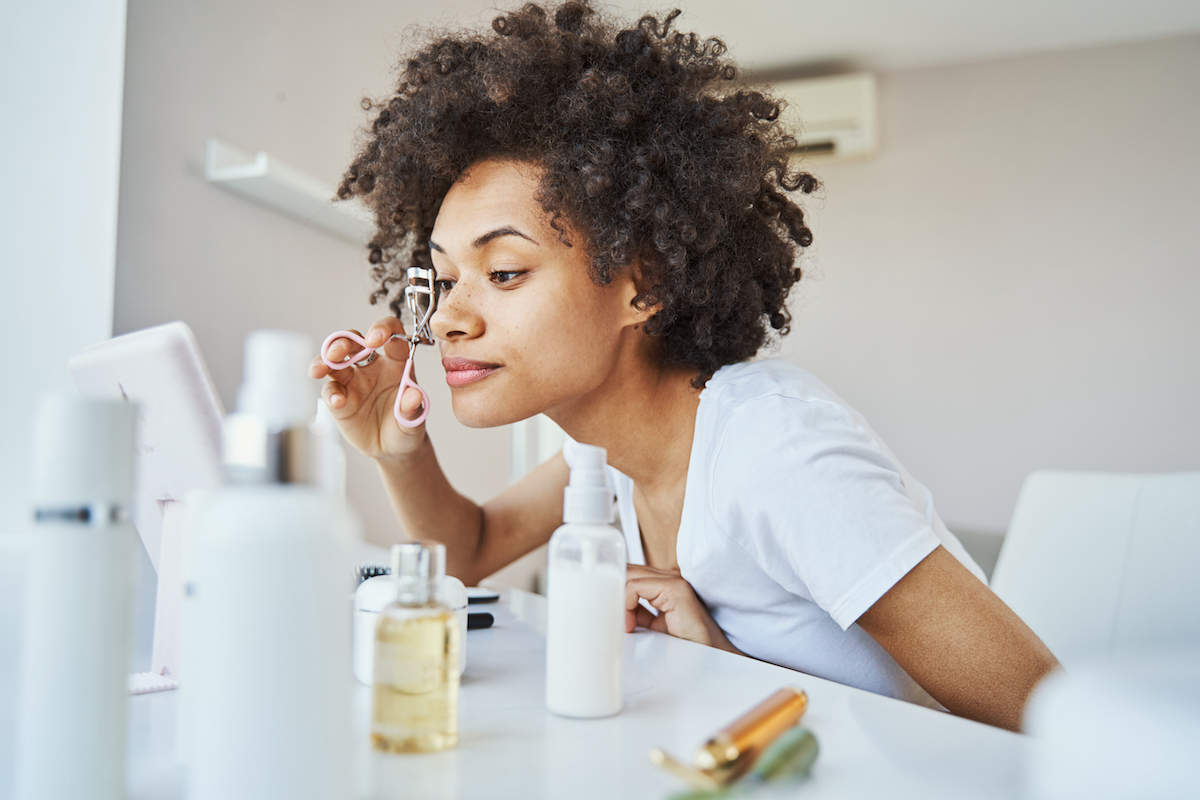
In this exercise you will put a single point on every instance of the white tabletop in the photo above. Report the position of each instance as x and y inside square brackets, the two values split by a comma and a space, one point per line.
[677, 694]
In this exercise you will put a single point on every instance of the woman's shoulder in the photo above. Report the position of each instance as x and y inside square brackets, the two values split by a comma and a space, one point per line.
[777, 413]
[746, 383]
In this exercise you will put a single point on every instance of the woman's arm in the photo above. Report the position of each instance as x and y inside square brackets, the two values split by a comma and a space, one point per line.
[959, 641]
[956, 639]
[479, 539]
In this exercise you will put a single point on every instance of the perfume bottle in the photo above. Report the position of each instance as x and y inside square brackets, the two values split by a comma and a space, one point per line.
[417, 640]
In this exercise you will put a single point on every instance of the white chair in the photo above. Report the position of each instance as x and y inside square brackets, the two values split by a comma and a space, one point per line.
[1100, 564]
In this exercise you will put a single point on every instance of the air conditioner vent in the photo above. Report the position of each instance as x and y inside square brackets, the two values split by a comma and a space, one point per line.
[832, 117]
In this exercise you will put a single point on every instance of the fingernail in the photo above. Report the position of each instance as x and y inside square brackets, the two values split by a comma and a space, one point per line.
[375, 338]
[334, 399]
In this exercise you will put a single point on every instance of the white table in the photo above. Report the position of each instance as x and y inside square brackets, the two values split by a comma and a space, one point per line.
[677, 693]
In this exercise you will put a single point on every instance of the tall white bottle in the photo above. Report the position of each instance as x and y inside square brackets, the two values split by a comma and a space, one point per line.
[267, 625]
[71, 742]
[585, 622]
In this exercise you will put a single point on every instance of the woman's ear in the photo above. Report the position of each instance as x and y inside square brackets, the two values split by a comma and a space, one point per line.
[641, 301]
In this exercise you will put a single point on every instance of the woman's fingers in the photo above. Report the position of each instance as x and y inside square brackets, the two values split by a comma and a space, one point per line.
[410, 402]
[680, 611]
[343, 349]
[654, 590]
[643, 571]
[334, 394]
[349, 352]
[669, 597]
[640, 617]
[383, 330]
[645, 619]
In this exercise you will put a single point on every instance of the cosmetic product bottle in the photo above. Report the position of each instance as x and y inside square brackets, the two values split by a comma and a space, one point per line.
[267, 676]
[377, 593]
[585, 621]
[329, 457]
[71, 743]
[417, 640]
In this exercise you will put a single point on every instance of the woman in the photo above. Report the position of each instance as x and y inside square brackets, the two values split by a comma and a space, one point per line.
[611, 220]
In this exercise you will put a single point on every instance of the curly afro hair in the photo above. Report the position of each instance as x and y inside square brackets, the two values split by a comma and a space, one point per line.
[646, 145]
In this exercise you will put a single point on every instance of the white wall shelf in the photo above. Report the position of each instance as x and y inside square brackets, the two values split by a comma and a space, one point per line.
[283, 188]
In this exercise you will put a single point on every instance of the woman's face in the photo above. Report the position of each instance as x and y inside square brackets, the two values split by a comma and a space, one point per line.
[522, 327]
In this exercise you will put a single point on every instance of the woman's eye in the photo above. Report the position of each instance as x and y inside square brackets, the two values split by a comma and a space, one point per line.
[504, 276]
[444, 285]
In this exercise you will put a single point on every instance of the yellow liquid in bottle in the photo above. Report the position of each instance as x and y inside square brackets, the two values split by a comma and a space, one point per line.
[416, 680]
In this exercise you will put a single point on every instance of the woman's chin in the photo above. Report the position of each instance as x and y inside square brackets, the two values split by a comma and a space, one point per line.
[475, 414]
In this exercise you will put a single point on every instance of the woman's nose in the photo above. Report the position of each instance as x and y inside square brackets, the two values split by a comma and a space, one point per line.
[457, 316]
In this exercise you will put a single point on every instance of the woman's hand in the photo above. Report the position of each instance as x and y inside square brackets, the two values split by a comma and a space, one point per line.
[680, 612]
[361, 398]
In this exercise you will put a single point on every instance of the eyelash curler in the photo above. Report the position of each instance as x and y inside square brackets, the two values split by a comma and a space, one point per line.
[421, 297]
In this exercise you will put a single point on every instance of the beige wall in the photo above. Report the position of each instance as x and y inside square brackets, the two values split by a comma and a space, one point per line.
[1006, 287]
[1014, 282]
[285, 78]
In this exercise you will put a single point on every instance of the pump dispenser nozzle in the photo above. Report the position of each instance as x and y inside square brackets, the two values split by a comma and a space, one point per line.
[588, 497]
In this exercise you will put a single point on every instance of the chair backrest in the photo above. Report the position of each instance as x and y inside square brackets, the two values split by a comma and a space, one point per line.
[1099, 564]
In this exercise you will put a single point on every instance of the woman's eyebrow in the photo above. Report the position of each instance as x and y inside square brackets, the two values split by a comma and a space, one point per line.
[507, 230]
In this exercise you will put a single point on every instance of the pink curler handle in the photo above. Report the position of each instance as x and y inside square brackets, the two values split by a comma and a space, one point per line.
[408, 381]
[354, 337]
[366, 353]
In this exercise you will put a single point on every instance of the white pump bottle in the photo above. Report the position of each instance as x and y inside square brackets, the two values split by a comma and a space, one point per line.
[585, 621]
[267, 676]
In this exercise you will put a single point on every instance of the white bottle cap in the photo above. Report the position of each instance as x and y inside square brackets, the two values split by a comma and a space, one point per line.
[588, 498]
[83, 449]
[275, 383]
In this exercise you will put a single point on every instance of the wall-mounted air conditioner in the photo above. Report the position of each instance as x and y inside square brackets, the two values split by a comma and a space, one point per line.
[831, 117]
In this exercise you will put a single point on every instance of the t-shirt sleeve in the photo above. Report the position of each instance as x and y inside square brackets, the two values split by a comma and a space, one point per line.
[810, 493]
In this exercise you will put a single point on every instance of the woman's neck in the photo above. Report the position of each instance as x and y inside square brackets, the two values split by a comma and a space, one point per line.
[644, 416]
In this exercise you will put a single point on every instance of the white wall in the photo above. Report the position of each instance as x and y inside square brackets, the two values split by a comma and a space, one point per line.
[1014, 282]
[60, 130]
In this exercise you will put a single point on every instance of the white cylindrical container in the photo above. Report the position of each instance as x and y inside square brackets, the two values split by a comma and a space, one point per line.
[76, 652]
[267, 638]
[585, 622]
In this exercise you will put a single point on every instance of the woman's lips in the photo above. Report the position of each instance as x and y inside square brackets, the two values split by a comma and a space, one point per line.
[462, 371]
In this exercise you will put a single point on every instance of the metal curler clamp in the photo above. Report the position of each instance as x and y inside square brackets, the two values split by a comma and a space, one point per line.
[421, 297]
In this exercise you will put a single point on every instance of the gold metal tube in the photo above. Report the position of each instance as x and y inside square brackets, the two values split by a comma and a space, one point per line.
[733, 750]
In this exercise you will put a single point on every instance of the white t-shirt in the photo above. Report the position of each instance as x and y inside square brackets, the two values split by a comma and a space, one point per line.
[796, 519]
